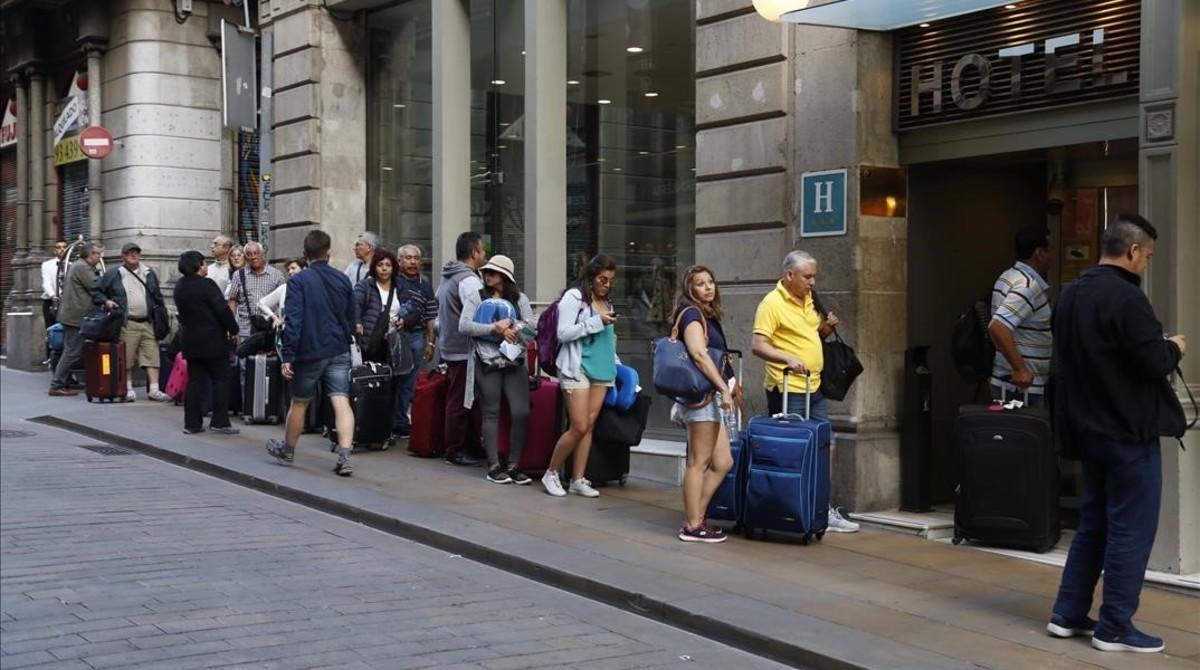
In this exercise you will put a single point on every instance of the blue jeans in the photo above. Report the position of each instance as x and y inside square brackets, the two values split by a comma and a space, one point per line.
[406, 383]
[819, 408]
[1118, 518]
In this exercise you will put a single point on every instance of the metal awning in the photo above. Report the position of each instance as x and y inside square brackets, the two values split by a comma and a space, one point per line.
[882, 15]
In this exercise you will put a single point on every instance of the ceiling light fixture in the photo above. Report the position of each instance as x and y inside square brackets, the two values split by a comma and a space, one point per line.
[680, 146]
[499, 82]
[1012, 6]
[572, 82]
[634, 50]
[651, 94]
[399, 105]
[924, 25]
[616, 169]
[387, 168]
[643, 153]
[604, 101]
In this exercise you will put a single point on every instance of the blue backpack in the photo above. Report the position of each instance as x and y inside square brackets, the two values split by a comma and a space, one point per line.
[492, 310]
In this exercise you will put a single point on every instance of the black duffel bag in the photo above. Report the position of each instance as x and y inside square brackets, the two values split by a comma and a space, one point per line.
[623, 428]
[101, 325]
[842, 367]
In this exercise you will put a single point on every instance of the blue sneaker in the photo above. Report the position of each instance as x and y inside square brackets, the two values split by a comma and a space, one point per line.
[1060, 626]
[1134, 640]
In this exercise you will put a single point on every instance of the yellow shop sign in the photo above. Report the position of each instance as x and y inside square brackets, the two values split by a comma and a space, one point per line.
[68, 151]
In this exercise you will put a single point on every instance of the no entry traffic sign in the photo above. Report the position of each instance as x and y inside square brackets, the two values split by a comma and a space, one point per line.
[96, 142]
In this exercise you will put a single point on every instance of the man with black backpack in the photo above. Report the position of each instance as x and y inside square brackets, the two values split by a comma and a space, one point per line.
[1020, 319]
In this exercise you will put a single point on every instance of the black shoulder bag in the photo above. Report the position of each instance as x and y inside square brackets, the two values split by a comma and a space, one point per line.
[158, 311]
[258, 322]
[375, 348]
[842, 366]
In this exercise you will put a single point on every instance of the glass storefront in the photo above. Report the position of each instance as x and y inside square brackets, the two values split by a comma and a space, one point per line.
[630, 143]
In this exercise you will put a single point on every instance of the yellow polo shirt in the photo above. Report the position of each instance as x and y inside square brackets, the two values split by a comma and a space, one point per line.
[792, 328]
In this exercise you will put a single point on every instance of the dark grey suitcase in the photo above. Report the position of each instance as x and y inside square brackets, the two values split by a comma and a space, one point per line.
[1007, 492]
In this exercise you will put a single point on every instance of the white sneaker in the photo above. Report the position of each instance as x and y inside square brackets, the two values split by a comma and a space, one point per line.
[158, 396]
[839, 523]
[582, 487]
[552, 484]
[131, 396]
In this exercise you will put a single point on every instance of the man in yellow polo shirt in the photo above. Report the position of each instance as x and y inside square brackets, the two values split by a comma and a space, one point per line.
[788, 331]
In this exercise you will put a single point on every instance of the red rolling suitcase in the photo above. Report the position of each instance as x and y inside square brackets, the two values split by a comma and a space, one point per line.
[544, 427]
[428, 436]
[104, 367]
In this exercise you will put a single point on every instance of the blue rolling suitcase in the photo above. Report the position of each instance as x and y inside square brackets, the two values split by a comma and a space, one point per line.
[728, 500]
[787, 475]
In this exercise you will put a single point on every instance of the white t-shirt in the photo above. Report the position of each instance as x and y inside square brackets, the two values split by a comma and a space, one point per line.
[395, 309]
[49, 278]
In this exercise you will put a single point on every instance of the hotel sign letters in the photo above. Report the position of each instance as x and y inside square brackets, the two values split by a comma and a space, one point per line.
[978, 65]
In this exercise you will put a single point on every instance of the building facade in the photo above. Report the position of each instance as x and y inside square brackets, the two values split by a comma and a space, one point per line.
[662, 133]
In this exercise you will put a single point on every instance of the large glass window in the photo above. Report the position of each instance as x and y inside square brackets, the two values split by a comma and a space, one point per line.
[630, 158]
[400, 125]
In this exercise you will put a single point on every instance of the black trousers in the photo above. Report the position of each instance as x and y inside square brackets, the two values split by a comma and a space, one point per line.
[205, 375]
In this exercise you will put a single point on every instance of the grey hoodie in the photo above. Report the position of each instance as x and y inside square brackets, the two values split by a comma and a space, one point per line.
[458, 280]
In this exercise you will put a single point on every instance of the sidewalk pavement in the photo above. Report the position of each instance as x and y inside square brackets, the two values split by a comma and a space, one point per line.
[871, 599]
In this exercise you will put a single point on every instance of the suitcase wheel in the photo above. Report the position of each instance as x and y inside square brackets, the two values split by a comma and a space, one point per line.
[957, 540]
[748, 532]
[820, 536]
[804, 539]
[624, 478]
[89, 398]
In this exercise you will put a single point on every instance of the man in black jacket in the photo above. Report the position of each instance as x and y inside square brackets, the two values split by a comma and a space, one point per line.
[1111, 360]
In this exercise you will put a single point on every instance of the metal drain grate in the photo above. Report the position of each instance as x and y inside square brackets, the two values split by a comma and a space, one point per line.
[107, 450]
[13, 434]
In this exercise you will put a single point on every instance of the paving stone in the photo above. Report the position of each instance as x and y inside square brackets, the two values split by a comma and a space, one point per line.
[147, 565]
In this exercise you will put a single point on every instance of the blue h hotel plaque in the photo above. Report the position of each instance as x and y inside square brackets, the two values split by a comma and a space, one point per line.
[823, 203]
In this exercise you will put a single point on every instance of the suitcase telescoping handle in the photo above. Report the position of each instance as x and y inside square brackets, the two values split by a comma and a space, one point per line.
[807, 397]
[1004, 389]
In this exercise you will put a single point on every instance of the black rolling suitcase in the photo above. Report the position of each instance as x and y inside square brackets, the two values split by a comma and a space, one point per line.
[1007, 491]
[371, 399]
[263, 399]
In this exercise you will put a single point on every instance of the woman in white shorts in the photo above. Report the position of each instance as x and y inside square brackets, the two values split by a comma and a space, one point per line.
[587, 366]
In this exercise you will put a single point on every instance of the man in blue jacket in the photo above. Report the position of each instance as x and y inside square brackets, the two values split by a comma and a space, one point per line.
[316, 348]
[1109, 374]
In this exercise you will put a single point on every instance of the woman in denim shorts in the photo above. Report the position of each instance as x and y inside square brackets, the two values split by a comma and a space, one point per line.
[587, 366]
[698, 319]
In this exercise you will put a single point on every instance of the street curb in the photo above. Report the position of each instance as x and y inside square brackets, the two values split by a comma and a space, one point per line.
[737, 637]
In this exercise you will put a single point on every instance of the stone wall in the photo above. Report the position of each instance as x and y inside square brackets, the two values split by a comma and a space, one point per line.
[774, 101]
[319, 124]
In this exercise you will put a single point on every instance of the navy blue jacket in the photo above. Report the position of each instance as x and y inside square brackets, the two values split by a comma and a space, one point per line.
[319, 313]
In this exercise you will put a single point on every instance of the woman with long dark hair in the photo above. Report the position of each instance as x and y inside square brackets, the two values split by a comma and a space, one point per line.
[377, 306]
[493, 376]
[587, 367]
[206, 327]
[698, 319]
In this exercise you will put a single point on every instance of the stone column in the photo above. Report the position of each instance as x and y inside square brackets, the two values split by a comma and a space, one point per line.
[1169, 157]
[545, 148]
[22, 222]
[95, 188]
[37, 160]
[319, 120]
[451, 126]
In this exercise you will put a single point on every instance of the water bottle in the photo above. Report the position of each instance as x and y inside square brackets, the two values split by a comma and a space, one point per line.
[731, 423]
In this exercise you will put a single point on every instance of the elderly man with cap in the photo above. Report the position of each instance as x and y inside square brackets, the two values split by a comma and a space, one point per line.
[133, 287]
[364, 248]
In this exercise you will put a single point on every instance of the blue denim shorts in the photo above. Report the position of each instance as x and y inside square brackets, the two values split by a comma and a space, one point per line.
[709, 412]
[332, 372]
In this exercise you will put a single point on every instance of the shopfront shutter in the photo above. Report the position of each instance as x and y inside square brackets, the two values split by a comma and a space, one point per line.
[74, 180]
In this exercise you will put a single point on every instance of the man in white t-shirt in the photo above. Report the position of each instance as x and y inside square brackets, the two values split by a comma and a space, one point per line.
[218, 269]
[50, 296]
